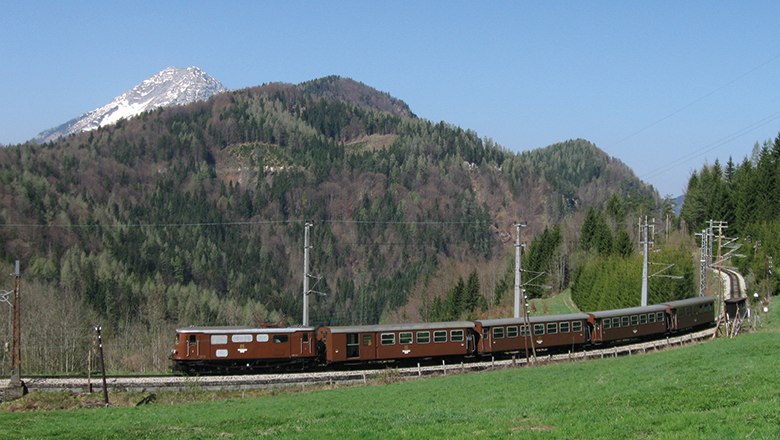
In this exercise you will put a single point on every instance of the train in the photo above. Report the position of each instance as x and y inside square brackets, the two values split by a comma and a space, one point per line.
[237, 350]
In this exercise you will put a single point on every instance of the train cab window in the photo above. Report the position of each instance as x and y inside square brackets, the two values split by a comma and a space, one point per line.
[615, 322]
[280, 339]
[576, 326]
[523, 330]
[643, 319]
[353, 345]
[456, 336]
[440, 336]
[511, 332]
[634, 319]
[387, 338]
[606, 324]
[564, 327]
[262, 337]
[538, 329]
[405, 338]
[423, 337]
[624, 321]
[193, 339]
[218, 339]
[552, 328]
[498, 332]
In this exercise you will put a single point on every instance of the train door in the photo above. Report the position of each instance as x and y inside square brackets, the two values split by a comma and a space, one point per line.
[471, 345]
[595, 332]
[353, 345]
[193, 346]
[306, 347]
[486, 345]
[671, 320]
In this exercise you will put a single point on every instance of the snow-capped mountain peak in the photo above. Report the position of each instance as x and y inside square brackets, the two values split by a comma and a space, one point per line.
[169, 87]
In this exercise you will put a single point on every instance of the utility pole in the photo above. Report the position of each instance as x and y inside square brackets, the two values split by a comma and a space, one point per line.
[646, 242]
[518, 276]
[704, 262]
[306, 275]
[16, 338]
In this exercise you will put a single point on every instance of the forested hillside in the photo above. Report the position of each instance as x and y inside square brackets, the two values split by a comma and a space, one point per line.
[195, 214]
[747, 196]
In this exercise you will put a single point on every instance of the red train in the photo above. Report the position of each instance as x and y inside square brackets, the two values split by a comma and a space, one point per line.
[227, 350]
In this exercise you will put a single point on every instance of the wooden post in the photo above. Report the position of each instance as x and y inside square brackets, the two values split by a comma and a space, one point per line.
[102, 364]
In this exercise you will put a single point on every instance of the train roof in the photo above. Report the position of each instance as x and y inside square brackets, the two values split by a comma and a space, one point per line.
[532, 319]
[238, 329]
[400, 327]
[697, 300]
[629, 311]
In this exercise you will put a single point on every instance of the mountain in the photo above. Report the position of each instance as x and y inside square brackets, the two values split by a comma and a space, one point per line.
[169, 87]
[195, 214]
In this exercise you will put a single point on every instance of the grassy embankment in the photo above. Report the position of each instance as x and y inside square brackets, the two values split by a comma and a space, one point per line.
[727, 388]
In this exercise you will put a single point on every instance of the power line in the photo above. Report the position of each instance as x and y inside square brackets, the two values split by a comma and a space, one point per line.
[699, 99]
[245, 223]
[712, 146]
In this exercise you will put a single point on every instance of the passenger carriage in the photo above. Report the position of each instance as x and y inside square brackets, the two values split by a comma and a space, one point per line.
[539, 332]
[630, 323]
[227, 349]
[396, 342]
[690, 313]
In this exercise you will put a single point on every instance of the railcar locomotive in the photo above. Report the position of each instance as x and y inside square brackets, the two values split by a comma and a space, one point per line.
[229, 350]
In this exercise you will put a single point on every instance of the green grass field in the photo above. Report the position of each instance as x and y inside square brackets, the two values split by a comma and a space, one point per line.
[555, 305]
[727, 388]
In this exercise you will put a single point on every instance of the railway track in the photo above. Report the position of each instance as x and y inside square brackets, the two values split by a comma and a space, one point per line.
[246, 382]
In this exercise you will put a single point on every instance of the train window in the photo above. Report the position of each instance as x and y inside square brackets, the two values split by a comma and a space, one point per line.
[511, 332]
[440, 336]
[218, 339]
[564, 327]
[498, 332]
[624, 321]
[523, 330]
[405, 338]
[576, 326]
[651, 317]
[538, 329]
[634, 319]
[615, 322]
[368, 340]
[606, 323]
[643, 319]
[193, 339]
[456, 336]
[552, 328]
[659, 316]
[262, 337]
[387, 338]
[280, 339]
[305, 337]
[241, 338]
[423, 337]
[222, 353]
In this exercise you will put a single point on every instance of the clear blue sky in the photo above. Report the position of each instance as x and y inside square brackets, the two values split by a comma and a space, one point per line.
[662, 85]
